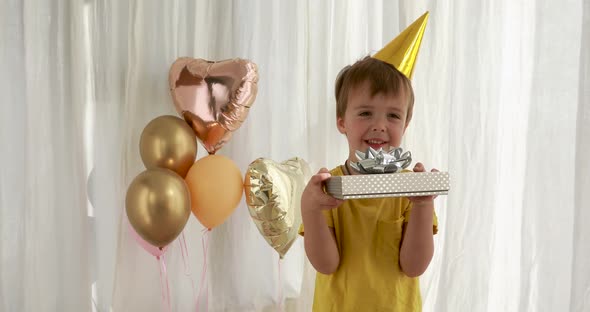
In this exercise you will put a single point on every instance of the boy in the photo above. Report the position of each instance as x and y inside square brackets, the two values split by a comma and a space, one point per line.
[369, 252]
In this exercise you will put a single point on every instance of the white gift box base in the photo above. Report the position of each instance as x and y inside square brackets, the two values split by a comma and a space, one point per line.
[389, 185]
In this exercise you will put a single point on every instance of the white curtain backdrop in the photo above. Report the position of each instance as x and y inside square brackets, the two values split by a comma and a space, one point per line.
[503, 104]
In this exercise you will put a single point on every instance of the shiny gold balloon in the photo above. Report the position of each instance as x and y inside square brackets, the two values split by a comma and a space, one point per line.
[273, 195]
[216, 186]
[158, 205]
[168, 142]
[213, 97]
[402, 51]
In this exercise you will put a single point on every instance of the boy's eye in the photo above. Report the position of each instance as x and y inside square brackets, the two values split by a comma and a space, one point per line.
[365, 114]
[394, 116]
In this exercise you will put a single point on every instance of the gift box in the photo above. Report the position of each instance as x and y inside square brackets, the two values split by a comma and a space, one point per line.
[388, 185]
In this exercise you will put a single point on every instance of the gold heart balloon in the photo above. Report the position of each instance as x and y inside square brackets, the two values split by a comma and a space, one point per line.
[273, 195]
[213, 97]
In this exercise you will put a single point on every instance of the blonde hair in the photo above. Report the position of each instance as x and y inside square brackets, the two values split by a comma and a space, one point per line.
[382, 78]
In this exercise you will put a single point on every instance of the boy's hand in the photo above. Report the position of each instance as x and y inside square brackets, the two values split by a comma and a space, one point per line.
[314, 198]
[419, 167]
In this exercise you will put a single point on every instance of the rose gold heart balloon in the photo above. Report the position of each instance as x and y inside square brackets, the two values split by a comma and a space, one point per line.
[213, 97]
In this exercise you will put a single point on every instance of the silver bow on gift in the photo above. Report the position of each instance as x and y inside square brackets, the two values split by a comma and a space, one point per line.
[378, 161]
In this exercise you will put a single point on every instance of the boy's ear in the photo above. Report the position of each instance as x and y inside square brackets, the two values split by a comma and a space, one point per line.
[407, 122]
[406, 126]
[340, 125]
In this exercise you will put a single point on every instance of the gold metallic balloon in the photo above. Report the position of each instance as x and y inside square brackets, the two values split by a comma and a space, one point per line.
[213, 97]
[168, 142]
[403, 50]
[273, 195]
[158, 205]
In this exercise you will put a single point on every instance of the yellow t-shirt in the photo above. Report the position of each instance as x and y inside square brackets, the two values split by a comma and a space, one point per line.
[369, 277]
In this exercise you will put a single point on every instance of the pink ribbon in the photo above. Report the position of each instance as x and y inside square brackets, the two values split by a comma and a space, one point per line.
[205, 243]
[165, 287]
[280, 288]
[184, 252]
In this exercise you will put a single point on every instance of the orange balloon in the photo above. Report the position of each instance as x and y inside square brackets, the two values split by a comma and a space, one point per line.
[216, 187]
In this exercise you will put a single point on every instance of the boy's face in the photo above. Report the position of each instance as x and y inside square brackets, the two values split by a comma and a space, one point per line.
[377, 122]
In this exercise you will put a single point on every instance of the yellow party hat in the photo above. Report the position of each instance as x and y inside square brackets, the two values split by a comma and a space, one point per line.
[402, 51]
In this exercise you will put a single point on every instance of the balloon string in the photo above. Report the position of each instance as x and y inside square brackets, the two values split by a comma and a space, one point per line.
[280, 288]
[165, 287]
[184, 252]
[205, 244]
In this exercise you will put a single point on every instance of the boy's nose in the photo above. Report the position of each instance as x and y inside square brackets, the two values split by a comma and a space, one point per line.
[379, 125]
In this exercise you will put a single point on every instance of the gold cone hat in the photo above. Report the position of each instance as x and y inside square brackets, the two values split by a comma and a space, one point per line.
[403, 50]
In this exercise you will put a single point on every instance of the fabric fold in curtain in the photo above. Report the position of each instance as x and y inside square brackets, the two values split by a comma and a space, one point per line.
[502, 103]
[580, 286]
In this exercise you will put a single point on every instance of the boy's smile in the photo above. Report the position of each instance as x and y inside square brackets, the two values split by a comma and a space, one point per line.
[378, 121]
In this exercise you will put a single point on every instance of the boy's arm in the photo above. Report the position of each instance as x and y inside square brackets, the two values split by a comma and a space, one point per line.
[320, 243]
[417, 244]
[319, 239]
